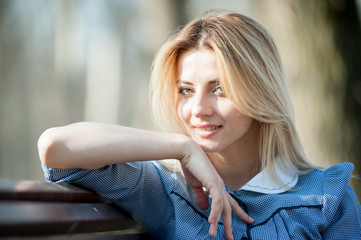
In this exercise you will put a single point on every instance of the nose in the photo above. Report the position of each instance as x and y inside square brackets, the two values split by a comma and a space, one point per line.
[202, 105]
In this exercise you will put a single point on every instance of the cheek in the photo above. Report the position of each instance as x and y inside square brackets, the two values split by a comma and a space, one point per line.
[183, 111]
[234, 117]
[245, 122]
[227, 110]
[242, 122]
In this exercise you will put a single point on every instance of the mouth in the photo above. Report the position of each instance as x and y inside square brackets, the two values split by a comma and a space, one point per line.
[206, 130]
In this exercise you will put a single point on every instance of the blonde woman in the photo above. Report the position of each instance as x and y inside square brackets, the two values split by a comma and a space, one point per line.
[219, 92]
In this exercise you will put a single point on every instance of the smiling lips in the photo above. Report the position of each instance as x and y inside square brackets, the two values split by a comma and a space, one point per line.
[206, 130]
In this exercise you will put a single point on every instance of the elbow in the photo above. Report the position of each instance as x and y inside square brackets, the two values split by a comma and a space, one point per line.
[48, 147]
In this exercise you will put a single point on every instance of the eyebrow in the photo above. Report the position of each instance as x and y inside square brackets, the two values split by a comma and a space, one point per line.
[214, 81]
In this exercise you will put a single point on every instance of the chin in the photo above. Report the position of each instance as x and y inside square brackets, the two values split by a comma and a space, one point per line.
[209, 149]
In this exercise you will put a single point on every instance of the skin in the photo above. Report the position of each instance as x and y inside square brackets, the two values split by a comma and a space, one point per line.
[212, 120]
[229, 138]
[208, 160]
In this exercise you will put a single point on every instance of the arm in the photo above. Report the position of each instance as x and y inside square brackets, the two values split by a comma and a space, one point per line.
[94, 145]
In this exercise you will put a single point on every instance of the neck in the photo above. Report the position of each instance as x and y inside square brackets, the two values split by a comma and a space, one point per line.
[239, 163]
[237, 172]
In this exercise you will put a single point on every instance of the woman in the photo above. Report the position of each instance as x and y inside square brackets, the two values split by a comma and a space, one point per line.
[219, 91]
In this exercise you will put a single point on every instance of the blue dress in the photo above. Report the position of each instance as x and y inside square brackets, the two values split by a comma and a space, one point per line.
[319, 205]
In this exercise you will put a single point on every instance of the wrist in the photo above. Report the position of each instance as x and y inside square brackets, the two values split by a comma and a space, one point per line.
[186, 148]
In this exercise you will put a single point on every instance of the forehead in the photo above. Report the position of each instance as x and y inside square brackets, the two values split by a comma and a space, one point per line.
[197, 64]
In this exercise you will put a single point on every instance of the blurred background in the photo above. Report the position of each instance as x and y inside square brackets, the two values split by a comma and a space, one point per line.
[64, 61]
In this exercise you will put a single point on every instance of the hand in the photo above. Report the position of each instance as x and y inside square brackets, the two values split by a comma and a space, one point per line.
[199, 172]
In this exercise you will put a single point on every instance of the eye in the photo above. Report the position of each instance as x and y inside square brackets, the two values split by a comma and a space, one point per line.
[185, 91]
[218, 90]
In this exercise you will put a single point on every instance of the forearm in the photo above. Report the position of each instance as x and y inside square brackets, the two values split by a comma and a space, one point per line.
[93, 145]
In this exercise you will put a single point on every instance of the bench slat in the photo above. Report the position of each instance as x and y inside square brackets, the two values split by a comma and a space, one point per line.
[107, 236]
[40, 210]
[43, 191]
[41, 218]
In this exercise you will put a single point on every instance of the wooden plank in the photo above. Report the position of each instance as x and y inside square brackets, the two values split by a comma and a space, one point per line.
[43, 191]
[106, 236]
[40, 210]
[44, 218]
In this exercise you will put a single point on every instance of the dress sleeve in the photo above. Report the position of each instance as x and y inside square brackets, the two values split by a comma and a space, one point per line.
[136, 187]
[342, 209]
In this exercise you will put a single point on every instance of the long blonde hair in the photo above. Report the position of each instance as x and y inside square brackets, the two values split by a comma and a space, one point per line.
[251, 75]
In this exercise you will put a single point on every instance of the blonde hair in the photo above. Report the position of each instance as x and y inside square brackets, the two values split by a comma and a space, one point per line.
[251, 75]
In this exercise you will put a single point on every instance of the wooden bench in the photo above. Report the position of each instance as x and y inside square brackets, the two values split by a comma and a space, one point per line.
[40, 210]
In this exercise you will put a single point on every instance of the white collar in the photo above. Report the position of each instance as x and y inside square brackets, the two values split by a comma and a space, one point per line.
[264, 183]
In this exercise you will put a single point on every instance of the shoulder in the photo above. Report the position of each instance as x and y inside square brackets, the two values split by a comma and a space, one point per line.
[341, 208]
[341, 172]
[331, 187]
[336, 184]
[331, 181]
[337, 178]
[337, 175]
[321, 204]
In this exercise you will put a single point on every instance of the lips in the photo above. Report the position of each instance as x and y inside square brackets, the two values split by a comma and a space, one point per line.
[206, 130]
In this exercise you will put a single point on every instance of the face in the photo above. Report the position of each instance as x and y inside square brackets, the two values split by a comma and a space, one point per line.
[210, 118]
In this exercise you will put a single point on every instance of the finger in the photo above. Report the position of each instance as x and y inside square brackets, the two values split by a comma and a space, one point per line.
[239, 211]
[215, 215]
[213, 228]
[227, 220]
[214, 224]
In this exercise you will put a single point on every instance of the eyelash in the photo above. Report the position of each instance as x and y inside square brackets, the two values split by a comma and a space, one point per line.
[183, 89]
[218, 87]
